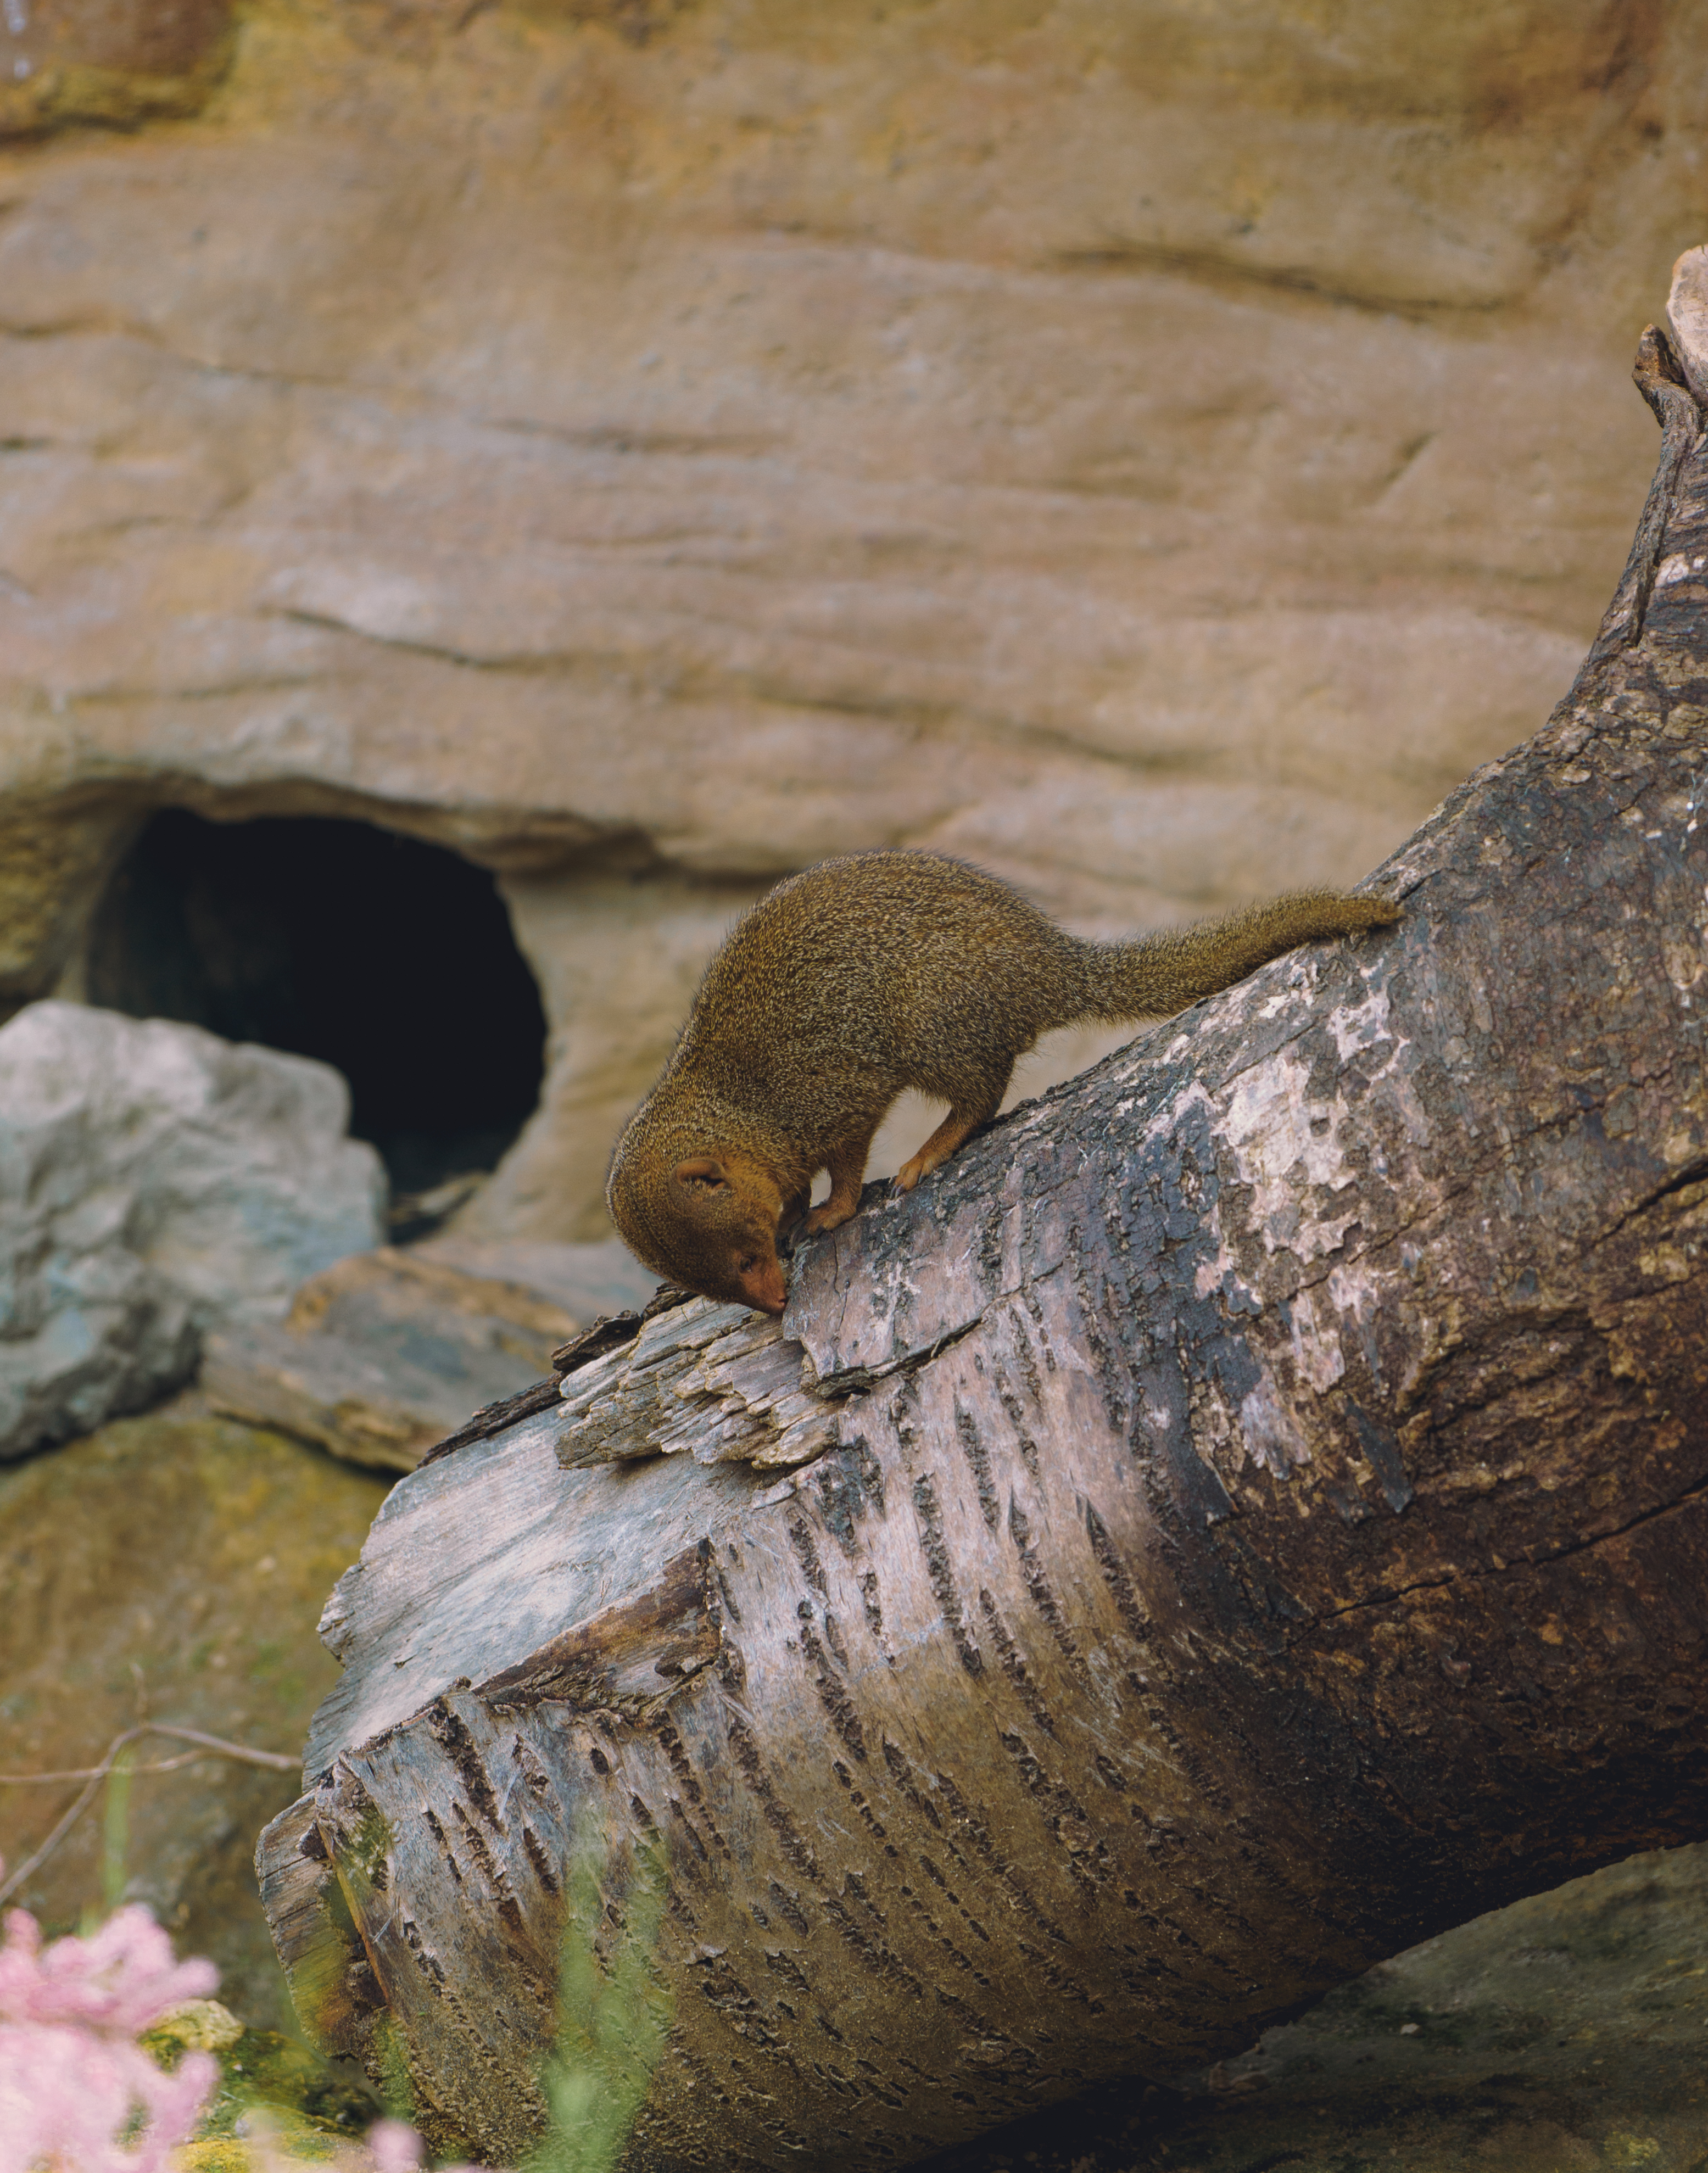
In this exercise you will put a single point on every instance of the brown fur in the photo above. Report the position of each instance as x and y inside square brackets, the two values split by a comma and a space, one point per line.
[849, 983]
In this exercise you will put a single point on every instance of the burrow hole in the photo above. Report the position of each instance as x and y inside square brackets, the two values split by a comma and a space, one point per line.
[389, 958]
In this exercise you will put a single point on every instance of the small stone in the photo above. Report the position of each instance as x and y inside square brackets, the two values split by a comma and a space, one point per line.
[200, 2025]
[388, 1353]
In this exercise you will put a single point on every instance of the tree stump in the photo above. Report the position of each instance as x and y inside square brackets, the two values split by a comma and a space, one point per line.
[1252, 1519]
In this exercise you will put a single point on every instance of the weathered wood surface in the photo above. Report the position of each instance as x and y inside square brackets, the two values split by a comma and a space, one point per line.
[1255, 1519]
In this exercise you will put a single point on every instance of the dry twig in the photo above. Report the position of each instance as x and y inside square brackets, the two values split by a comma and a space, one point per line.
[207, 1746]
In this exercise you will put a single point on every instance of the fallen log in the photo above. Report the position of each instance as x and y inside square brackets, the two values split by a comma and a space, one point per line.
[1245, 1514]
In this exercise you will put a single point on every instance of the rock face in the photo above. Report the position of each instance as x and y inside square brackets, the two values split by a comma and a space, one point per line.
[115, 61]
[153, 1179]
[1155, 451]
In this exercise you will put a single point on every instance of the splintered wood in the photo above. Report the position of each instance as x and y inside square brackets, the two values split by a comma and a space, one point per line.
[720, 1382]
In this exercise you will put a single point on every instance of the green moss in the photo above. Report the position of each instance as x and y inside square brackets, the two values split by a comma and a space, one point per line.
[304, 2097]
[264, 2068]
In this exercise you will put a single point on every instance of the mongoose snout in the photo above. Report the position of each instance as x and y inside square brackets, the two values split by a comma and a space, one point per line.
[852, 981]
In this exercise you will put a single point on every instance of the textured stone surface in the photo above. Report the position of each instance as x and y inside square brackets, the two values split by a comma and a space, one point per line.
[154, 1179]
[384, 1353]
[585, 1279]
[1155, 450]
[115, 60]
[1562, 2033]
[182, 1561]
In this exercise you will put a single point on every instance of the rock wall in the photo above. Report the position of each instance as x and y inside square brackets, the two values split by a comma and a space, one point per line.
[1154, 449]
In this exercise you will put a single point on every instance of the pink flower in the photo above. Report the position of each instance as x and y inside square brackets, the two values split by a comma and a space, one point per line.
[120, 1982]
[79, 2095]
[73, 2080]
[397, 2149]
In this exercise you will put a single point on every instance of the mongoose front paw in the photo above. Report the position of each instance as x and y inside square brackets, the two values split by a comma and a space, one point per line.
[909, 1175]
[830, 1216]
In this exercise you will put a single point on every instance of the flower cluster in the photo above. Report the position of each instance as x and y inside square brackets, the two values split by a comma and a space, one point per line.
[78, 2094]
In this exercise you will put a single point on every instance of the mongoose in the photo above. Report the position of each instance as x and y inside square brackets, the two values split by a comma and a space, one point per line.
[866, 975]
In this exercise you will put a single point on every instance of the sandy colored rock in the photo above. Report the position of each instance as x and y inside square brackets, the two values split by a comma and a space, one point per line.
[383, 1298]
[155, 1180]
[114, 61]
[1155, 452]
[182, 1560]
[381, 1411]
[585, 1280]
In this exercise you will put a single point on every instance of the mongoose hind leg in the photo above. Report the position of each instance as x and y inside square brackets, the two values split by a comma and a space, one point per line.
[846, 1164]
[956, 1127]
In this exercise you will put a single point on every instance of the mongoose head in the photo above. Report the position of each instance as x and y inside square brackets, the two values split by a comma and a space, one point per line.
[710, 1225]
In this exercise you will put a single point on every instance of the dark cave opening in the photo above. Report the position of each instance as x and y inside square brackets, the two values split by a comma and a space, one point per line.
[390, 959]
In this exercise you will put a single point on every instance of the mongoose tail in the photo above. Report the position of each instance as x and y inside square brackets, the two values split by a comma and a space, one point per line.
[1155, 976]
[846, 985]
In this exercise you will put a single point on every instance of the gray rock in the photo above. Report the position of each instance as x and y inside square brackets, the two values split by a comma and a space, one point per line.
[155, 1179]
[388, 1351]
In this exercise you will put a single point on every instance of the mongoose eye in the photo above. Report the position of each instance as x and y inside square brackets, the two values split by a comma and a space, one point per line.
[746, 1263]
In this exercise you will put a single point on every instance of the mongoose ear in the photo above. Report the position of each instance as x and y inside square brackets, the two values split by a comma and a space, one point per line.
[702, 1170]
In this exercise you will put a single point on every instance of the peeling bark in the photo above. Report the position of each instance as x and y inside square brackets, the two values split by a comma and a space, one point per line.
[1254, 1520]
